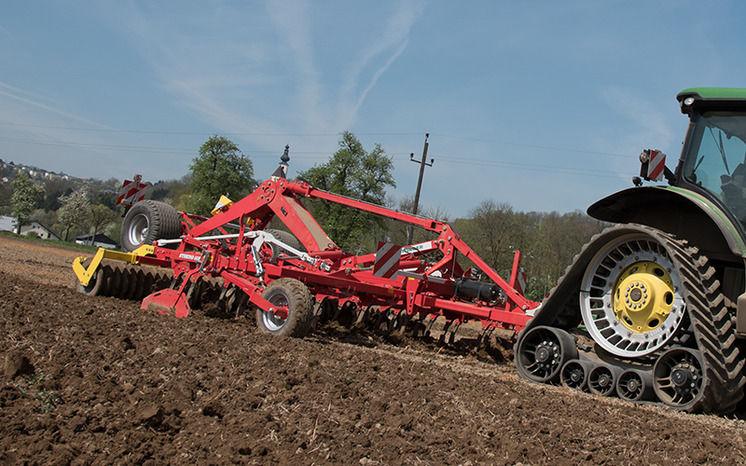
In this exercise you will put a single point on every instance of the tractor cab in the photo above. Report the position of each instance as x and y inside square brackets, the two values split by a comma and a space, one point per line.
[713, 159]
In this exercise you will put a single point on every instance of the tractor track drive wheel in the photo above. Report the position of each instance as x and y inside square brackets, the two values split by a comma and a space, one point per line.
[637, 296]
[148, 221]
[294, 295]
[631, 297]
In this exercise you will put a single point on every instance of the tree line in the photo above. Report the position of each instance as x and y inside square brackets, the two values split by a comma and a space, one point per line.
[493, 229]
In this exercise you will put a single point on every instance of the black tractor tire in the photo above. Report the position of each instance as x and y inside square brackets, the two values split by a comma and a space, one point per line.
[293, 294]
[148, 221]
[286, 238]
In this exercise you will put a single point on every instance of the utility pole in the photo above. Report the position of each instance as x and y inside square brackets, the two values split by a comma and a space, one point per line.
[423, 164]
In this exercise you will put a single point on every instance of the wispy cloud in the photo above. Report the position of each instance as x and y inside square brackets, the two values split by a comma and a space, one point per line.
[17, 94]
[650, 128]
[395, 39]
[293, 27]
[237, 68]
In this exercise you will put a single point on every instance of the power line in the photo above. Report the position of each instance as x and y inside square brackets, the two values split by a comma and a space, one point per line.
[200, 133]
[196, 133]
[146, 149]
[534, 146]
[318, 155]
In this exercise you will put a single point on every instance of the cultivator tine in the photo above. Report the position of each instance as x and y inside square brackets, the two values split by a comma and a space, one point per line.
[449, 332]
[236, 301]
[360, 315]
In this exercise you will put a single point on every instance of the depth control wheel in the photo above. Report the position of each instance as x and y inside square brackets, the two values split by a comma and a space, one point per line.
[293, 297]
[678, 378]
[543, 351]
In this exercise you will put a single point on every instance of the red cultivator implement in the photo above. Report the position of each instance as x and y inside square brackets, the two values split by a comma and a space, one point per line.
[232, 259]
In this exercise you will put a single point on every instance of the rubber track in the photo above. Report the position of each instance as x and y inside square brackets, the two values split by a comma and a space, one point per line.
[714, 327]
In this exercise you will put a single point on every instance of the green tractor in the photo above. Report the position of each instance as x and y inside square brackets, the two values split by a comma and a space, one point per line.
[654, 308]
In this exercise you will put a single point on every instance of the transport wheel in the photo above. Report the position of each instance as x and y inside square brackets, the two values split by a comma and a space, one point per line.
[295, 296]
[678, 378]
[631, 301]
[542, 352]
[148, 221]
[285, 237]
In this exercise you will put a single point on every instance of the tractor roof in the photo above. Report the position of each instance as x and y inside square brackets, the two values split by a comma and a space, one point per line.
[711, 98]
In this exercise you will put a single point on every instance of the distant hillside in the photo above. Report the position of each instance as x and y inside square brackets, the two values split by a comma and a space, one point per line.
[10, 170]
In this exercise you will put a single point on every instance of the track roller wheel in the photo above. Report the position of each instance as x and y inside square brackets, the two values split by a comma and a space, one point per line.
[293, 294]
[575, 374]
[634, 385]
[602, 380]
[542, 352]
[678, 378]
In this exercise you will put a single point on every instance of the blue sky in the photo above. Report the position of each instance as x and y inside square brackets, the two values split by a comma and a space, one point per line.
[544, 105]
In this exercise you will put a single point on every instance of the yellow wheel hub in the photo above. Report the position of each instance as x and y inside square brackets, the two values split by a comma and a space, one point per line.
[643, 296]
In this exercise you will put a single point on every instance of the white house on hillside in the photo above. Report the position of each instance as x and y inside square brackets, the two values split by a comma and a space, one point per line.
[100, 241]
[8, 223]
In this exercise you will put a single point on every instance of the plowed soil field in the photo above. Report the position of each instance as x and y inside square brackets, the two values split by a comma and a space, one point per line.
[97, 380]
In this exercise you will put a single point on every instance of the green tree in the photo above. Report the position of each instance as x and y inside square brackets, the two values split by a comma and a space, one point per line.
[99, 216]
[26, 193]
[355, 173]
[495, 232]
[220, 168]
[55, 189]
[556, 239]
[73, 211]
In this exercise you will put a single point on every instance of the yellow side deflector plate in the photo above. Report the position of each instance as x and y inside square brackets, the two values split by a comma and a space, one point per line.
[84, 274]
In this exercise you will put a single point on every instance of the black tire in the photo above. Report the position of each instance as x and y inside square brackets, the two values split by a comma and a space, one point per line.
[148, 221]
[286, 238]
[293, 294]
